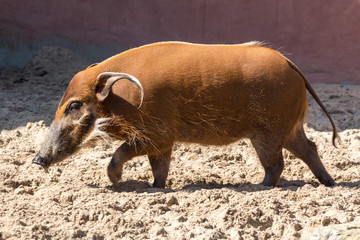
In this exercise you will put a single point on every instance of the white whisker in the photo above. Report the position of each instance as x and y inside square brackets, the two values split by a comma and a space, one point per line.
[97, 133]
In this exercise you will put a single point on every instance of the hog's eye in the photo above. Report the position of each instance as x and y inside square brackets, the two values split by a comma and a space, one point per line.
[73, 106]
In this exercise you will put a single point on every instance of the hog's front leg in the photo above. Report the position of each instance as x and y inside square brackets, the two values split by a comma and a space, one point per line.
[123, 154]
[160, 163]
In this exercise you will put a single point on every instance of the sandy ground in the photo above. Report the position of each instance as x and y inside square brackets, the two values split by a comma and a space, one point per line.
[212, 192]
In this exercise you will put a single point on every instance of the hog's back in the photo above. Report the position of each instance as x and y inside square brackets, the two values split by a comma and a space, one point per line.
[212, 94]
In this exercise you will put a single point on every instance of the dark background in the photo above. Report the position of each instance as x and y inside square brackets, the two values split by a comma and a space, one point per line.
[322, 37]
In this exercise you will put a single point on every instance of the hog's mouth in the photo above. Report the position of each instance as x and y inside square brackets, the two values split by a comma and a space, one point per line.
[40, 161]
[63, 140]
[45, 162]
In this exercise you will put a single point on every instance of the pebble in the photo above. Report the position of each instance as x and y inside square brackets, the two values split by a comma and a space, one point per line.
[297, 227]
[92, 215]
[20, 190]
[158, 231]
[66, 197]
[325, 221]
[172, 201]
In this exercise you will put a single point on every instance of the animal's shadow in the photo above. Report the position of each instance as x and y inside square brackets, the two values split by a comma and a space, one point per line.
[145, 187]
[354, 185]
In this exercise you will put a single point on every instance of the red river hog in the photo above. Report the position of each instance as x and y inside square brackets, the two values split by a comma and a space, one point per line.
[155, 95]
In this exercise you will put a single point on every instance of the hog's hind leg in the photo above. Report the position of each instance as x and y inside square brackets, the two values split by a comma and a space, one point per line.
[270, 155]
[299, 145]
[160, 164]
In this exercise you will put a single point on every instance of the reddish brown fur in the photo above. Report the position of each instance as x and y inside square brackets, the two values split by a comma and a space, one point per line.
[207, 94]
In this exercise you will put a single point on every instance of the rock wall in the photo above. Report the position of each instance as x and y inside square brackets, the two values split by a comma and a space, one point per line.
[320, 36]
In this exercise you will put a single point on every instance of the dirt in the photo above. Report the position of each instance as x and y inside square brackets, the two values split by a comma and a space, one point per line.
[211, 192]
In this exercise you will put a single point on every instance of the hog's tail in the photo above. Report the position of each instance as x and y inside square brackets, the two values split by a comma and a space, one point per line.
[317, 99]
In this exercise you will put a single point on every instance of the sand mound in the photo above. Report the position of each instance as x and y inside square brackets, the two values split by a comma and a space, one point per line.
[212, 192]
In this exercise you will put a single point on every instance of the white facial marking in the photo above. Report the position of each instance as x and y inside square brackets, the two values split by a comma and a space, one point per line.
[77, 122]
[97, 133]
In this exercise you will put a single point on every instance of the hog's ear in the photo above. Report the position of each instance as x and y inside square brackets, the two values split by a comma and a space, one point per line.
[106, 80]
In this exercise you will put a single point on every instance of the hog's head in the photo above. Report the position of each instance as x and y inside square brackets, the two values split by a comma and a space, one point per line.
[79, 115]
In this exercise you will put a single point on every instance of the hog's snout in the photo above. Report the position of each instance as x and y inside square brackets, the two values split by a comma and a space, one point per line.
[39, 160]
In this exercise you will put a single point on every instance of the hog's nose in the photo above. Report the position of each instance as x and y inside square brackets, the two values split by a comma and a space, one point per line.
[40, 161]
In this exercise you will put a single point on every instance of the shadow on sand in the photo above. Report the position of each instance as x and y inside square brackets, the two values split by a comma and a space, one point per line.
[145, 187]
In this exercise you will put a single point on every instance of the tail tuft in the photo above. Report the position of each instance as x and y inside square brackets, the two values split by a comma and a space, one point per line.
[336, 140]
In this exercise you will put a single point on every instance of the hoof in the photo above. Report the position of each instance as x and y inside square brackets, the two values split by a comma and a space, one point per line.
[329, 183]
[159, 183]
[114, 177]
[326, 179]
[270, 181]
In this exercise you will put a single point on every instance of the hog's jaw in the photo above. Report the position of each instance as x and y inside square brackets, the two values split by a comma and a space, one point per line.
[64, 137]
